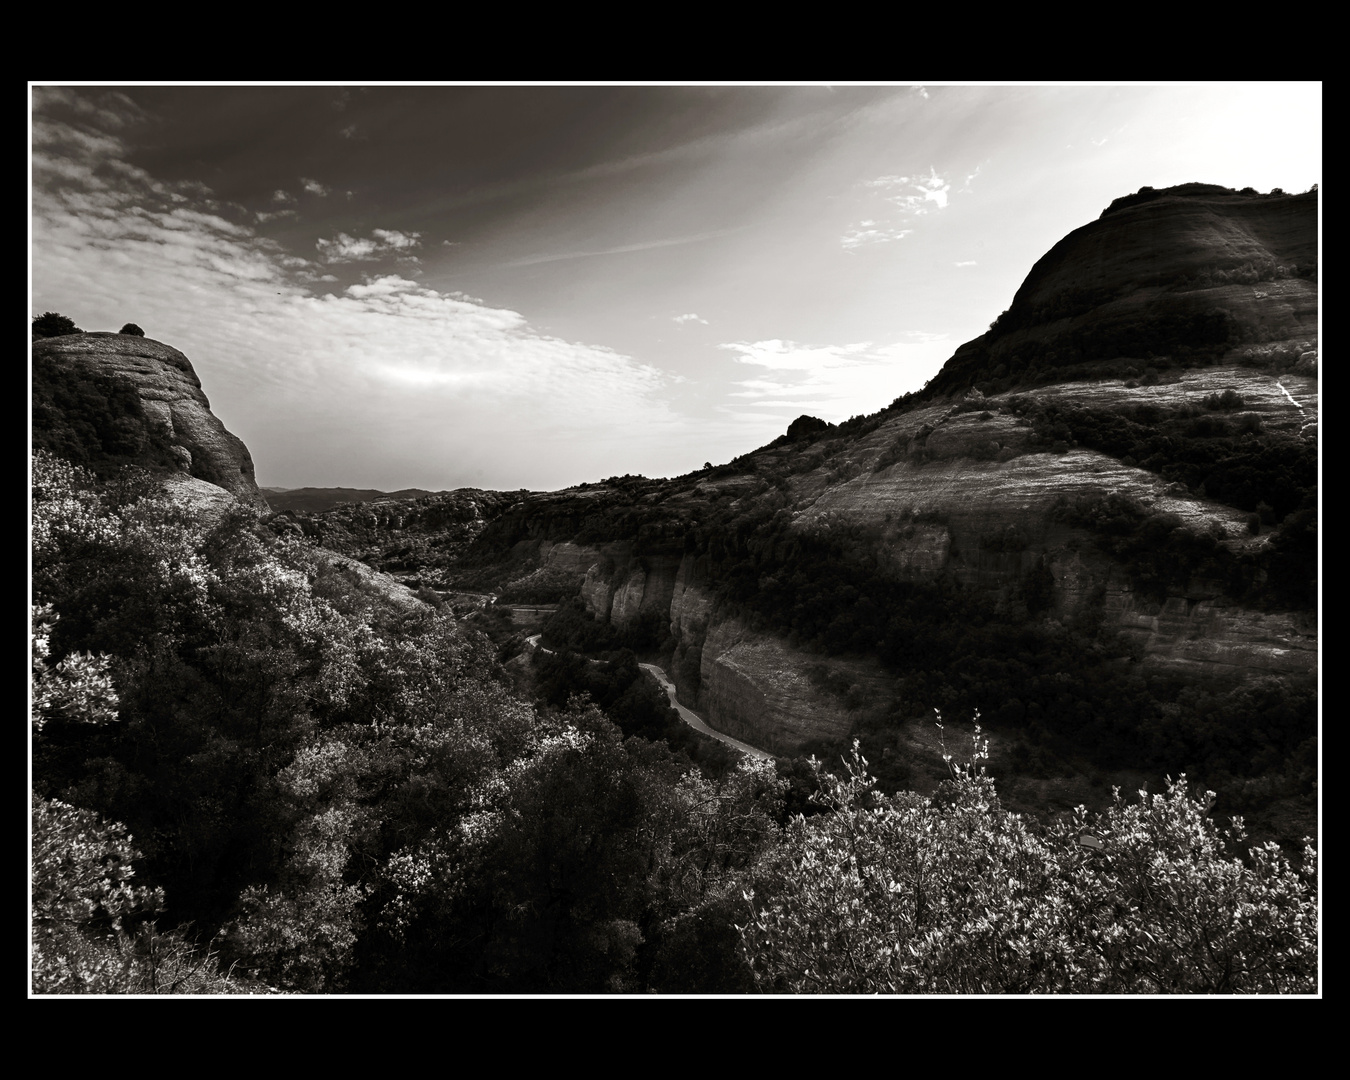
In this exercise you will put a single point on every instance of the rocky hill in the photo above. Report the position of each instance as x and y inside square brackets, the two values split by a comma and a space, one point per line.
[1097, 524]
[104, 400]
[1188, 274]
[311, 500]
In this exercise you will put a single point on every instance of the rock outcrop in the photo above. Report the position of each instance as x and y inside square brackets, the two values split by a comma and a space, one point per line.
[164, 424]
[1193, 271]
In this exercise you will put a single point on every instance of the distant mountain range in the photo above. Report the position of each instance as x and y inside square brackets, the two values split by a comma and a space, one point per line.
[315, 500]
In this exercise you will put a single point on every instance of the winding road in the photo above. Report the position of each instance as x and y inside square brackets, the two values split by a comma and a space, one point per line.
[694, 721]
[687, 715]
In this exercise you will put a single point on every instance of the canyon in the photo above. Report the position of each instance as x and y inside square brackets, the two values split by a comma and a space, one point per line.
[1186, 317]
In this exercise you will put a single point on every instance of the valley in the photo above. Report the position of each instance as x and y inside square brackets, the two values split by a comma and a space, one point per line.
[600, 739]
[1128, 540]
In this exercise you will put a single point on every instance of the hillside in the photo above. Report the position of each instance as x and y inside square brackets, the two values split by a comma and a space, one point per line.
[1180, 277]
[315, 500]
[1102, 546]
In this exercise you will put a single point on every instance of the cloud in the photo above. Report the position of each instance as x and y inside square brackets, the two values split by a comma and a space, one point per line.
[313, 187]
[624, 249]
[285, 198]
[380, 243]
[838, 380]
[866, 233]
[968, 262]
[384, 383]
[691, 317]
[110, 109]
[903, 199]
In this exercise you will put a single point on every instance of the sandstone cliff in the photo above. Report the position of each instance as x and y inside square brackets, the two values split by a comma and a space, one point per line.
[103, 398]
[1183, 273]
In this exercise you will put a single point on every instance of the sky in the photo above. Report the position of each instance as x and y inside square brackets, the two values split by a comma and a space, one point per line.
[532, 286]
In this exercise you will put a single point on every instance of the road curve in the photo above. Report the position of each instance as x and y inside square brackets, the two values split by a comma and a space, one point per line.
[692, 718]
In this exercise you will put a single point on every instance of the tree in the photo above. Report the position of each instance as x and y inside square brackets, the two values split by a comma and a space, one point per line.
[132, 329]
[51, 324]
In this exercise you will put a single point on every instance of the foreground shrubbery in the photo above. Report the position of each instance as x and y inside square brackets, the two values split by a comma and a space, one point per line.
[953, 894]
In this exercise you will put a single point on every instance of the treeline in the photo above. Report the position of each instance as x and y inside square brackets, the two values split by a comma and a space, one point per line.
[1234, 461]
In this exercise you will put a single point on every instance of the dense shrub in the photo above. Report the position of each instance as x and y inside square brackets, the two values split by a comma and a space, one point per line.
[51, 324]
[953, 894]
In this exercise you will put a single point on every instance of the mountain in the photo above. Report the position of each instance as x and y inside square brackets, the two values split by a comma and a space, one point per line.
[1096, 524]
[316, 500]
[1193, 273]
[103, 400]
[1110, 560]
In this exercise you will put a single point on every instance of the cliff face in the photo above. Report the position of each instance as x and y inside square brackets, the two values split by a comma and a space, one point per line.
[121, 399]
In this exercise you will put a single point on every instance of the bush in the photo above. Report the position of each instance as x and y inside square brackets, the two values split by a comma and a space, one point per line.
[953, 894]
[132, 329]
[50, 324]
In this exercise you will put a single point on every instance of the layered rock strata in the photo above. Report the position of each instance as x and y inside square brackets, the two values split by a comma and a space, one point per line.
[173, 404]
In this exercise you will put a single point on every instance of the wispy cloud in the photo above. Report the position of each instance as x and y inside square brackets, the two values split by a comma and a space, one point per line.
[690, 318]
[380, 243]
[868, 232]
[898, 201]
[109, 110]
[624, 249]
[313, 187]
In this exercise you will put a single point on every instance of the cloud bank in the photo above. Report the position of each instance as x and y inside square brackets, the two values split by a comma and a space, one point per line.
[385, 383]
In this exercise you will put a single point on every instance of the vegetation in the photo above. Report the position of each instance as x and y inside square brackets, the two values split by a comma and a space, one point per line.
[331, 794]
[132, 329]
[91, 418]
[52, 324]
[953, 894]
[254, 771]
[341, 794]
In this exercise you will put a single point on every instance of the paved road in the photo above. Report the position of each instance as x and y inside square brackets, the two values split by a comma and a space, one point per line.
[694, 721]
[687, 715]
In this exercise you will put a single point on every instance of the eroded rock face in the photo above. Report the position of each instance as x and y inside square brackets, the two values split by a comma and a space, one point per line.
[174, 407]
[1194, 268]
[755, 687]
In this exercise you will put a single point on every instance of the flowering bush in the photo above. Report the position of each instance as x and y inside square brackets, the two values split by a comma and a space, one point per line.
[952, 894]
